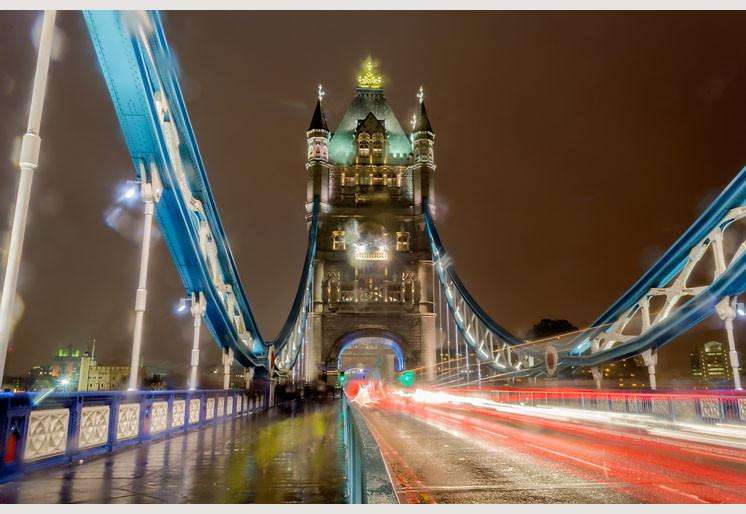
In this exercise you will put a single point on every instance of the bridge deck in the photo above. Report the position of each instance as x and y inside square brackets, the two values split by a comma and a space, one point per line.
[449, 455]
[275, 457]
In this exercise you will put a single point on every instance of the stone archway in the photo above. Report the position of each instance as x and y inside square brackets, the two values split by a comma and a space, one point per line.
[380, 351]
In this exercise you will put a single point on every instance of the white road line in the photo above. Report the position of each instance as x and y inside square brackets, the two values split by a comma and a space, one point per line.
[682, 493]
[489, 432]
[587, 463]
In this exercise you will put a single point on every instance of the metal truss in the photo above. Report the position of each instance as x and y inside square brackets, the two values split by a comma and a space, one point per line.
[638, 319]
[142, 78]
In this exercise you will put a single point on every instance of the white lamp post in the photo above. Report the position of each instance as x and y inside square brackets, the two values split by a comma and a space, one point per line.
[199, 306]
[29, 160]
[150, 193]
[227, 363]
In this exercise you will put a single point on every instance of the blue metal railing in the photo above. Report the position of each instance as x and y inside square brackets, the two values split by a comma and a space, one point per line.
[67, 427]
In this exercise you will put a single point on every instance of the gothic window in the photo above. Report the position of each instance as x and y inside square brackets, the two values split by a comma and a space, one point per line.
[363, 145]
[402, 241]
[338, 240]
[377, 146]
[333, 287]
[407, 289]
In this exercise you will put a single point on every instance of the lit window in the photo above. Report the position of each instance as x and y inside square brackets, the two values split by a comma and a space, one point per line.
[402, 241]
[338, 240]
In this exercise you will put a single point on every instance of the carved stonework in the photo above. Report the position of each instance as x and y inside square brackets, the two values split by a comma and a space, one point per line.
[158, 417]
[47, 433]
[177, 413]
[128, 421]
[239, 403]
[229, 406]
[210, 409]
[94, 426]
[221, 406]
[710, 408]
[194, 411]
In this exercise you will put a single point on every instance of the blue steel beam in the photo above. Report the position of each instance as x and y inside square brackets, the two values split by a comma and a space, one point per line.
[671, 262]
[732, 282]
[142, 77]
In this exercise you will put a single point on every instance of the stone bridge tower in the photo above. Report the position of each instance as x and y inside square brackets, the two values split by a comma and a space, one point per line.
[373, 277]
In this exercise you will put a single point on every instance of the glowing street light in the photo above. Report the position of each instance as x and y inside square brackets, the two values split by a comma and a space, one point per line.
[182, 305]
[198, 305]
[740, 310]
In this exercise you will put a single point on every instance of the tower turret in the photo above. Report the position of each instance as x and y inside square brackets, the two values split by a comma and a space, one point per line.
[317, 162]
[423, 149]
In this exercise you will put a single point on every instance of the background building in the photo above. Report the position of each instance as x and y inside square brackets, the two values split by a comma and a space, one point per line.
[95, 377]
[710, 365]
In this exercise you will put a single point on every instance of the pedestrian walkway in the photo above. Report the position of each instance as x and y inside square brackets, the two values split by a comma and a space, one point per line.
[281, 456]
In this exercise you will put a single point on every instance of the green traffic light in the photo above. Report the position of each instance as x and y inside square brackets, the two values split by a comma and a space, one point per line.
[407, 378]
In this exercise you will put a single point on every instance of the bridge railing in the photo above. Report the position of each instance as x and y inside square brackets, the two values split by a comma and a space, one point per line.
[701, 407]
[36, 431]
[367, 478]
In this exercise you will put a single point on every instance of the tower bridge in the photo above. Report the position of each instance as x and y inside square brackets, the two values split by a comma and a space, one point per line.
[377, 289]
[373, 265]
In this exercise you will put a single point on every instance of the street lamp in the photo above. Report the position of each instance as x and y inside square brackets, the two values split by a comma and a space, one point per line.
[198, 308]
[28, 162]
[150, 193]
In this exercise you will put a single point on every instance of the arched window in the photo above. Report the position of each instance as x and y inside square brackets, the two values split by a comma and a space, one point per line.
[363, 144]
[338, 240]
[402, 241]
[407, 289]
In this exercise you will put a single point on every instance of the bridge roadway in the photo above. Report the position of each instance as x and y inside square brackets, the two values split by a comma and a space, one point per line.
[282, 456]
[449, 454]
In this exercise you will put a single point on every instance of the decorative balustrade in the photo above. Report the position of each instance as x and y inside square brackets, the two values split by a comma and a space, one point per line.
[68, 427]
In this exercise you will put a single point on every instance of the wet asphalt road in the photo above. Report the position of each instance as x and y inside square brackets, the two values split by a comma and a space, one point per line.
[449, 454]
[274, 457]
[431, 464]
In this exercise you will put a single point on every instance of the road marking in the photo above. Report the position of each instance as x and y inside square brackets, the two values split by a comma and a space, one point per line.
[488, 431]
[403, 473]
[559, 454]
[682, 493]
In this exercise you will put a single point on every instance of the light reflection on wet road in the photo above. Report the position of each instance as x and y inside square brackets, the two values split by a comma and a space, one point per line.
[433, 463]
[275, 457]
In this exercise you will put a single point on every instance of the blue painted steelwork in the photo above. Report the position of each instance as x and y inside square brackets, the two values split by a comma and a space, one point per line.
[671, 262]
[731, 283]
[142, 78]
[447, 267]
[16, 408]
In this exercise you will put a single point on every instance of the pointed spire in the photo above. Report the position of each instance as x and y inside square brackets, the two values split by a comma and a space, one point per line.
[423, 123]
[318, 122]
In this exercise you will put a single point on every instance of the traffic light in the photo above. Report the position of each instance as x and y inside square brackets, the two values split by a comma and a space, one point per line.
[407, 378]
[342, 378]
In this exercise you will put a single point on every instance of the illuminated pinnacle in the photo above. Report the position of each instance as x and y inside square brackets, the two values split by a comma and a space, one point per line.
[421, 95]
[414, 121]
[321, 92]
[369, 79]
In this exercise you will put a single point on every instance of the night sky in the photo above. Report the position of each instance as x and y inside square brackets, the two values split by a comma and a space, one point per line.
[572, 150]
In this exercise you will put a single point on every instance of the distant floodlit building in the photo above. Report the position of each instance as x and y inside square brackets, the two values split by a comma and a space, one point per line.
[94, 377]
[710, 365]
[66, 362]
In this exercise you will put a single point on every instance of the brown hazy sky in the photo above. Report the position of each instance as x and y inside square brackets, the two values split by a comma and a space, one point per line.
[572, 149]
